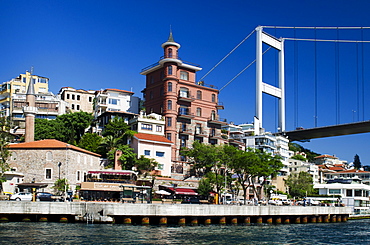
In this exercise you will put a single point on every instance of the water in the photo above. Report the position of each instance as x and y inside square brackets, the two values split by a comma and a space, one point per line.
[351, 232]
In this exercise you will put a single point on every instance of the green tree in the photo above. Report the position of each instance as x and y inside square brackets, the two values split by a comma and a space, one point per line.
[48, 129]
[119, 130]
[145, 165]
[299, 157]
[128, 157]
[92, 142]
[68, 128]
[357, 162]
[300, 184]
[5, 138]
[61, 186]
[298, 148]
[207, 159]
[74, 126]
[205, 187]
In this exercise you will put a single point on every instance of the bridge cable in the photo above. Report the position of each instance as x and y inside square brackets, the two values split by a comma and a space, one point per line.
[237, 46]
[243, 70]
[315, 83]
[276, 104]
[357, 86]
[363, 77]
[295, 81]
[337, 78]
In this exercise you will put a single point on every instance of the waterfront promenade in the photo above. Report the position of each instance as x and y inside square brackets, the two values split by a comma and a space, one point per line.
[172, 213]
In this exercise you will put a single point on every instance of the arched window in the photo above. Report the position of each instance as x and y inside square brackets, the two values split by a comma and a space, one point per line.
[169, 70]
[184, 92]
[169, 105]
[213, 98]
[199, 95]
[199, 112]
[49, 156]
[184, 75]
[169, 87]
[213, 115]
[170, 53]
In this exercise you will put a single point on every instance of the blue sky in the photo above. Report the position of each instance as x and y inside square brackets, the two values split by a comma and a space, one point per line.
[105, 44]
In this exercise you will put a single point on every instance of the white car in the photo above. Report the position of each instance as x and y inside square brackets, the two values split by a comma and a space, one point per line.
[21, 196]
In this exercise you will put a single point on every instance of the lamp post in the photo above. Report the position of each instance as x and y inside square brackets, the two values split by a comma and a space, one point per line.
[66, 179]
[59, 164]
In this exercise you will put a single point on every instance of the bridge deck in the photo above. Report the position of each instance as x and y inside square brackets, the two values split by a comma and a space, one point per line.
[328, 131]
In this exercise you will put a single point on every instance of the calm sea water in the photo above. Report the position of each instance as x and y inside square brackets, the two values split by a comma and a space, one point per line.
[352, 232]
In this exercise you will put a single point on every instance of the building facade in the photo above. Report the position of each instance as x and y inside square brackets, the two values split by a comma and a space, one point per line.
[46, 161]
[190, 108]
[150, 141]
[78, 99]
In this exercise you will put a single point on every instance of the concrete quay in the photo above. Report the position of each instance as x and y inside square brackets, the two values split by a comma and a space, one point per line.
[162, 214]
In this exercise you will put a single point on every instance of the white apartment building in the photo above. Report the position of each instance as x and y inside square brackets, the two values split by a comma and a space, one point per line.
[78, 99]
[150, 141]
[297, 166]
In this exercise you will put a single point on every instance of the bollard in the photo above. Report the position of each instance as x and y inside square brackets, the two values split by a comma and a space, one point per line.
[304, 220]
[4, 219]
[259, 220]
[319, 219]
[234, 221]
[194, 221]
[207, 221]
[278, 220]
[145, 221]
[63, 219]
[163, 221]
[127, 221]
[326, 219]
[43, 219]
[182, 221]
[339, 218]
[269, 220]
[247, 220]
[26, 219]
[333, 219]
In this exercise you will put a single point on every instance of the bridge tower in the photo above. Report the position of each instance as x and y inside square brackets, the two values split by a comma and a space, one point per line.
[261, 87]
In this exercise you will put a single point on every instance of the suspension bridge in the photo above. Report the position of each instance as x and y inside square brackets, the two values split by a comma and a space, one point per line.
[347, 50]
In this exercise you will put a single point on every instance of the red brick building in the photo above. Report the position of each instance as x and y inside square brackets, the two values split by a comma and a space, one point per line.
[190, 108]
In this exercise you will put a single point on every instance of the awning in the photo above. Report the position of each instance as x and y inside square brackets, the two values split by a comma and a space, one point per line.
[32, 185]
[111, 172]
[184, 191]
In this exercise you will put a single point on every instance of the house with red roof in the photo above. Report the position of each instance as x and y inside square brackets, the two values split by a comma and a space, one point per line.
[46, 161]
[150, 141]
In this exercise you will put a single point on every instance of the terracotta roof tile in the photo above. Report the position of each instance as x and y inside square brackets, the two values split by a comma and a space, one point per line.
[326, 156]
[336, 168]
[152, 137]
[354, 171]
[49, 144]
[118, 90]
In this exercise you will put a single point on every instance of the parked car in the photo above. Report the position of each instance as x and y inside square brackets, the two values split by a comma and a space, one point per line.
[21, 196]
[286, 202]
[46, 196]
[276, 202]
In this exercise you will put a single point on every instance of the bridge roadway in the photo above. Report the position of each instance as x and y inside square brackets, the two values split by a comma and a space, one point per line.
[105, 211]
[328, 131]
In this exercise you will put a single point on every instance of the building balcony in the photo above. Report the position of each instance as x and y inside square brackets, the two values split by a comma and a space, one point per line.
[220, 106]
[217, 120]
[186, 97]
[215, 136]
[186, 131]
[185, 114]
[200, 133]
